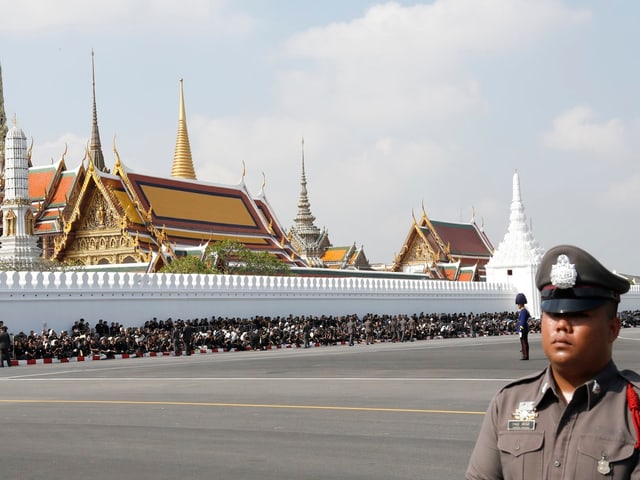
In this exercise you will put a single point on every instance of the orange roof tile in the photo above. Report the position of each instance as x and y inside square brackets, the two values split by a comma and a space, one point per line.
[335, 254]
[39, 183]
[63, 189]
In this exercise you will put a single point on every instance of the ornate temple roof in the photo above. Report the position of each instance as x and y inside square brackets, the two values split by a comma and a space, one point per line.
[51, 189]
[465, 240]
[158, 212]
[221, 211]
[444, 250]
[345, 258]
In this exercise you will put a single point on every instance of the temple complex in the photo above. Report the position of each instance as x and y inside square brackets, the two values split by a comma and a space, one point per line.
[118, 218]
[91, 215]
[444, 250]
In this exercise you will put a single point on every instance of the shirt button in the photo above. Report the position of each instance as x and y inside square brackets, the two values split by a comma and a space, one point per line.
[556, 463]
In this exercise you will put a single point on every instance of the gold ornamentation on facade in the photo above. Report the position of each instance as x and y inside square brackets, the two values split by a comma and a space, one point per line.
[430, 252]
[10, 224]
[16, 201]
[445, 248]
[118, 165]
[29, 222]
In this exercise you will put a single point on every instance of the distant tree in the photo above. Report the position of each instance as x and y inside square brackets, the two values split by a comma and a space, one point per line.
[188, 264]
[40, 265]
[230, 257]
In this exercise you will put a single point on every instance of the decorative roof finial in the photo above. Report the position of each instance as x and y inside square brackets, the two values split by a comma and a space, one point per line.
[182, 161]
[95, 147]
[303, 176]
[29, 151]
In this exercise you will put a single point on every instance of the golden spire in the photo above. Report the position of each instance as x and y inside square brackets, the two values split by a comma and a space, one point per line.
[182, 161]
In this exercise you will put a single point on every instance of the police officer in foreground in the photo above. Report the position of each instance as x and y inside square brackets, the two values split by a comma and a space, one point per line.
[578, 418]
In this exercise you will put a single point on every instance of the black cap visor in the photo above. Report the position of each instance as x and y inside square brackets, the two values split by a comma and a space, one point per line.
[570, 305]
[579, 299]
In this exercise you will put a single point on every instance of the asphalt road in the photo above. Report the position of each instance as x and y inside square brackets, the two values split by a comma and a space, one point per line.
[384, 411]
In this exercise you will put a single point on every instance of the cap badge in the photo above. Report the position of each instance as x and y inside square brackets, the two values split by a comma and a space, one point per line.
[563, 273]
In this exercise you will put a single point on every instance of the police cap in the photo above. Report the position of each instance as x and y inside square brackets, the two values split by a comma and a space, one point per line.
[572, 280]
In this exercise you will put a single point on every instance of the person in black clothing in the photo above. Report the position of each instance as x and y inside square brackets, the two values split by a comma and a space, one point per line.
[5, 343]
[187, 337]
[177, 340]
[306, 329]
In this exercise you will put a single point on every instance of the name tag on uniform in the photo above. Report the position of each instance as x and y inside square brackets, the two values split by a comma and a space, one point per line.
[524, 417]
[521, 425]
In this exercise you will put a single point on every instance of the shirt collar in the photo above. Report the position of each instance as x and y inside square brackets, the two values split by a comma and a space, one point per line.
[595, 388]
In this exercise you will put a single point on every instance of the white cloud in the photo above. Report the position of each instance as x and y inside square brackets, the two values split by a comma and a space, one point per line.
[624, 194]
[577, 130]
[396, 64]
[36, 17]
[51, 151]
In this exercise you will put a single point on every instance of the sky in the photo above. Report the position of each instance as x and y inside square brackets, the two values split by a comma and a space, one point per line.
[402, 106]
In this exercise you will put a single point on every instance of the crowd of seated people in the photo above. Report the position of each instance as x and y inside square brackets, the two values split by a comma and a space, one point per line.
[260, 333]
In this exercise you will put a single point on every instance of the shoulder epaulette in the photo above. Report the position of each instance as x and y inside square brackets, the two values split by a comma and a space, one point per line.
[525, 380]
[632, 377]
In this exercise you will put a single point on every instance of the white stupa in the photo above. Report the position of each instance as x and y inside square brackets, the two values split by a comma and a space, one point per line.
[18, 243]
[518, 255]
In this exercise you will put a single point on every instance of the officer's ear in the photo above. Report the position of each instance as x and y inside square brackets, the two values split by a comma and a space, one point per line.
[611, 312]
[615, 327]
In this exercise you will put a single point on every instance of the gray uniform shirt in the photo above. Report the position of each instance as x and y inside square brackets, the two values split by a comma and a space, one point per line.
[530, 433]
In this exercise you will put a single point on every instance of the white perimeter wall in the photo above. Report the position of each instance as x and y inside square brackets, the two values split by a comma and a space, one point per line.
[29, 300]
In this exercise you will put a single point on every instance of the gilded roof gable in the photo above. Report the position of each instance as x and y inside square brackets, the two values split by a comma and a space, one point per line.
[443, 249]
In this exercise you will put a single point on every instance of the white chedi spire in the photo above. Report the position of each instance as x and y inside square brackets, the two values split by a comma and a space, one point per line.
[18, 243]
[519, 247]
[16, 172]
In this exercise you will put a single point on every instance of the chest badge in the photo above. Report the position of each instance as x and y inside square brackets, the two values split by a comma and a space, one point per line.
[604, 468]
[524, 417]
